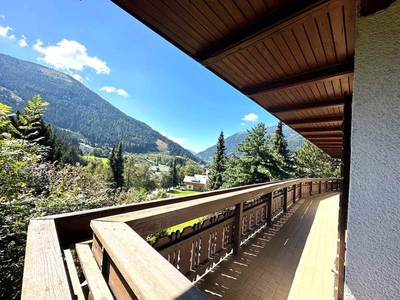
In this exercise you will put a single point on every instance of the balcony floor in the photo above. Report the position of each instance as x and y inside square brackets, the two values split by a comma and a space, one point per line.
[293, 259]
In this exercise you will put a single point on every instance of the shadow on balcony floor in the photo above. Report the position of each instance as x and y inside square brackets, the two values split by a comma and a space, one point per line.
[292, 259]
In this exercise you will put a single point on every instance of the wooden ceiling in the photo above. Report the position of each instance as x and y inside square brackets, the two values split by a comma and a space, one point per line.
[295, 58]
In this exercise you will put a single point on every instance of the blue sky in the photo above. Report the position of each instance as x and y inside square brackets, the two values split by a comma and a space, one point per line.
[130, 66]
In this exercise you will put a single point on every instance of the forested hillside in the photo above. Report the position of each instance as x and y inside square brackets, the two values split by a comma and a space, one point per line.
[294, 141]
[78, 109]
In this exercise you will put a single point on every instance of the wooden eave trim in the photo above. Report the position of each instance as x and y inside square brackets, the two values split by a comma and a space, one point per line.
[344, 68]
[303, 131]
[320, 120]
[329, 103]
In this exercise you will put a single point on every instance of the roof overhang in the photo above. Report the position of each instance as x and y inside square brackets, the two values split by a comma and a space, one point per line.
[295, 58]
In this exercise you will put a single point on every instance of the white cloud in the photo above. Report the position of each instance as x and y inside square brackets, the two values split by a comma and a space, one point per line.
[111, 89]
[4, 32]
[242, 124]
[70, 55]
[2, 17]
[251, 117]
[174, 139]
[77, 77]
[22, 42]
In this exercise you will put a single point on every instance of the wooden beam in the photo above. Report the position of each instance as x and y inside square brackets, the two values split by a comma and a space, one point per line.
[238, 228]
[285, 15]
[329, 103]
[324, 139]
[45, 276]
[336, 129]
[97, 285]
[311, 76]
[309, 135]
[145, 271]
[319, 120]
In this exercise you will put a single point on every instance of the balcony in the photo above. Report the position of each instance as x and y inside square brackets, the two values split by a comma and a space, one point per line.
[265, 241]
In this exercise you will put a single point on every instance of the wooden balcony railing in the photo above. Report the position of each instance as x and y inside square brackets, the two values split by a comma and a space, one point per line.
[102, 253]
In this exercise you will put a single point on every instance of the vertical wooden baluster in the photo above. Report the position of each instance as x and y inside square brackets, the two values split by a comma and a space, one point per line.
[301, 190]
[320, 187]
[294, 193]
[238, 228]
[285, 196]
[269, 209]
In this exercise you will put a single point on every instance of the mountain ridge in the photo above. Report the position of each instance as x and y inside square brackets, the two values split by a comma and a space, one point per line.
[75, 107]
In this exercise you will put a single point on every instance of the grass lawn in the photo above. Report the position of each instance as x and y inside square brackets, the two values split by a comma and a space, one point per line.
[183, 225]
[182, 192]
[89, 158]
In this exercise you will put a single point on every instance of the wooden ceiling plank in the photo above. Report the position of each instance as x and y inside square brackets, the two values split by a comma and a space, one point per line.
[241, 63]
[308, 106]
[305, 46]
[246, 9]
[184, 12]
[252, 65]
[157, 26]
[286, 53]
[338, 32]
[319, 74]
[199, 16]
[314, 38]
[269, 72]
[270, 59]
[279, 58]
[213, 17]
[166, 22]
[286, 15]
[325, 32]
[259, 7]
[236, 13]
[221, 12]
[350, 21]
[308, 135]
[294, 48]
[176, 18]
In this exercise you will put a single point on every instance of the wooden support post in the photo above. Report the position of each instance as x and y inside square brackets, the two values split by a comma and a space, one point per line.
[344, 195]
[311, 187]
[269, 212]
[238, 228]
[301, 190]
[320, 187]
[294, 193]
[285, 192]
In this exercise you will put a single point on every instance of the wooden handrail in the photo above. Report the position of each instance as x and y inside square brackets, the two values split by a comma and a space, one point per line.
[146, 272]
[151, 220]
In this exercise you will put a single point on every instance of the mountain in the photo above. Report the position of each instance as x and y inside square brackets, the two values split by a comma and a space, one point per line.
[76, 108]
[292, 137]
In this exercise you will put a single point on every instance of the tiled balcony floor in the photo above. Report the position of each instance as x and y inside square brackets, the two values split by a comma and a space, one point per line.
[293, 259]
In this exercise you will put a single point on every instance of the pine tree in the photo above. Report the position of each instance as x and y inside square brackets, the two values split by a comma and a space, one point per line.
[218, 166]
[174, 173]
[257, 162]
[119, 167]
[280, 148]
[314, 163]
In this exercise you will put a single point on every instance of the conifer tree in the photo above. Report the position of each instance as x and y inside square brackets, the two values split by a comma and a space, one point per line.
[280, 148]
[257, 162]
[218, 166]
[174, 173]
[314, 163]
[119, 167]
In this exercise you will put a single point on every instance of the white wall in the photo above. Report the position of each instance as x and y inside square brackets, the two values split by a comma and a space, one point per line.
[373, 248]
